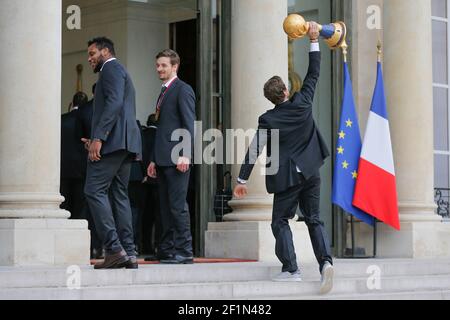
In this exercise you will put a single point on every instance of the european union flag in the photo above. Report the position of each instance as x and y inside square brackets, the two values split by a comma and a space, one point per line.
[348, 155]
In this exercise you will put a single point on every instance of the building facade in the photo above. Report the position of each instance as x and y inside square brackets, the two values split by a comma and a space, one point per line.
[229, 49]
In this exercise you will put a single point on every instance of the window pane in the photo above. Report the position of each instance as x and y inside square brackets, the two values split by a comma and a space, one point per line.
[441, 119]
[439, 8]
[441, 168]
[440, 52]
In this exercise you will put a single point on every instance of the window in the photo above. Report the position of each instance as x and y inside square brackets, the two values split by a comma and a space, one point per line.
[441, 97]
[440, 23]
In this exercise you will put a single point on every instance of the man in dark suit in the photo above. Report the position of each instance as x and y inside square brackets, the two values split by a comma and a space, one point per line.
[151, 219]
[84, 114]
[175, 111]
[115, 142]
[72, 159]
[296, 180]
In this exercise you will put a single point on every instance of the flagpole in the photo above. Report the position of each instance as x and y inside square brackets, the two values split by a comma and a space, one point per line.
[379, 58]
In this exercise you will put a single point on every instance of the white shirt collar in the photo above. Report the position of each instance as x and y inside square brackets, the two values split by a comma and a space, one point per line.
[168, 83]
[109, 60]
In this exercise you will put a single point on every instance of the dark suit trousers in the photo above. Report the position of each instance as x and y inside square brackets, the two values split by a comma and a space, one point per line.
[307, 196]
[107, 192]
[176, 237]
[72, 191]
[151, 219]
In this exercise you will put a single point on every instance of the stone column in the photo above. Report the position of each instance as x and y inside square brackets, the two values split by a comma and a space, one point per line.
[33, 230]
[257, 55]
[259, 51]
[409, 93]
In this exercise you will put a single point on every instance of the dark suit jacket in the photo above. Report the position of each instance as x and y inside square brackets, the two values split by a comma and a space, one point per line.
[73, 155]
[85, 120]
[177, 112]
[114, 118]
[300, 142]
[148, 145]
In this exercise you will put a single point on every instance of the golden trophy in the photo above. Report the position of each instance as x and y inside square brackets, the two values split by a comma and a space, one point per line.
[334, 34]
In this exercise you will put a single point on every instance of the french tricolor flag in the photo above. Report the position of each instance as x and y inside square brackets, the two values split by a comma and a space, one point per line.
[375, 191]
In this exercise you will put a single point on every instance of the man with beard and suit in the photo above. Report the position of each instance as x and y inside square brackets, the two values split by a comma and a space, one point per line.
[296, 182]
[175, 112]
[115, 142]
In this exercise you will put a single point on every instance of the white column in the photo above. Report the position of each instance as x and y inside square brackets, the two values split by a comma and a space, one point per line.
[30, 91]
[259, 52]
[409, 93]
[409, 90]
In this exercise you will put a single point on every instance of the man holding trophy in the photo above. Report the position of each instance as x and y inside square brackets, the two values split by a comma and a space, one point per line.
[302, 152]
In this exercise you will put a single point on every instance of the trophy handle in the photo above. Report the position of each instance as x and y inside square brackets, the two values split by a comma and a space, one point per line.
[338, 37]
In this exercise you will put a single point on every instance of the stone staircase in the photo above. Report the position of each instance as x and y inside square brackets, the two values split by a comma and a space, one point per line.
[398, 279]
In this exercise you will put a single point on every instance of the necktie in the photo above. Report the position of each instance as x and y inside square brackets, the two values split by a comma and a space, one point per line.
[158, 106]
[163, 91]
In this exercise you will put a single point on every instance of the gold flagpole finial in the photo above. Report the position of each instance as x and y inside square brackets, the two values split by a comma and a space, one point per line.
[379, 50]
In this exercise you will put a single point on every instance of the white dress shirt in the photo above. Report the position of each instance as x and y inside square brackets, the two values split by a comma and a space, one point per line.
[109, 60]
[168, 83]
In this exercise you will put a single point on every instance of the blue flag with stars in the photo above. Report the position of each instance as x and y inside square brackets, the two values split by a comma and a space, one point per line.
[348, 155]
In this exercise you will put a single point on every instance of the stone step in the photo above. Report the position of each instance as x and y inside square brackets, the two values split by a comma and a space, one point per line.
[211, 273]
[242, 290]
[416, 295]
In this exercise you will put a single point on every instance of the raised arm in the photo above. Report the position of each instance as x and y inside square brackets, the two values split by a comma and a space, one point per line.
[306, 96]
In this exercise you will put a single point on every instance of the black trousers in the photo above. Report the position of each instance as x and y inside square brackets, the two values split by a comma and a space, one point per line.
[136, 193]
[151, 219]
[75, 202]
[176, 237]
[72, 191]
[107, 195]
[307, 196]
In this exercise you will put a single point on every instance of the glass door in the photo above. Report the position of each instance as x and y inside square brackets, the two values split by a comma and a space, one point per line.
[213, 80]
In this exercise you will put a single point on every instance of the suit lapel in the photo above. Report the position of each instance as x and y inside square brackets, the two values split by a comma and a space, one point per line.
[169, 92]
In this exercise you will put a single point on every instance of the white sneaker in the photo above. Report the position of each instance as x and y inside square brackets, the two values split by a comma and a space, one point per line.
[326, 280]
[288, 277]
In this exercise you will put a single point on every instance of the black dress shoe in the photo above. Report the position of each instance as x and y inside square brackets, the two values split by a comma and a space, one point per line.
[132, 263]
[178, 260]
[113, 261]
[158, 257]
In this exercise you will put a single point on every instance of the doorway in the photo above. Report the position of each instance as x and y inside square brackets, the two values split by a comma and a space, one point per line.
[184, 39]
